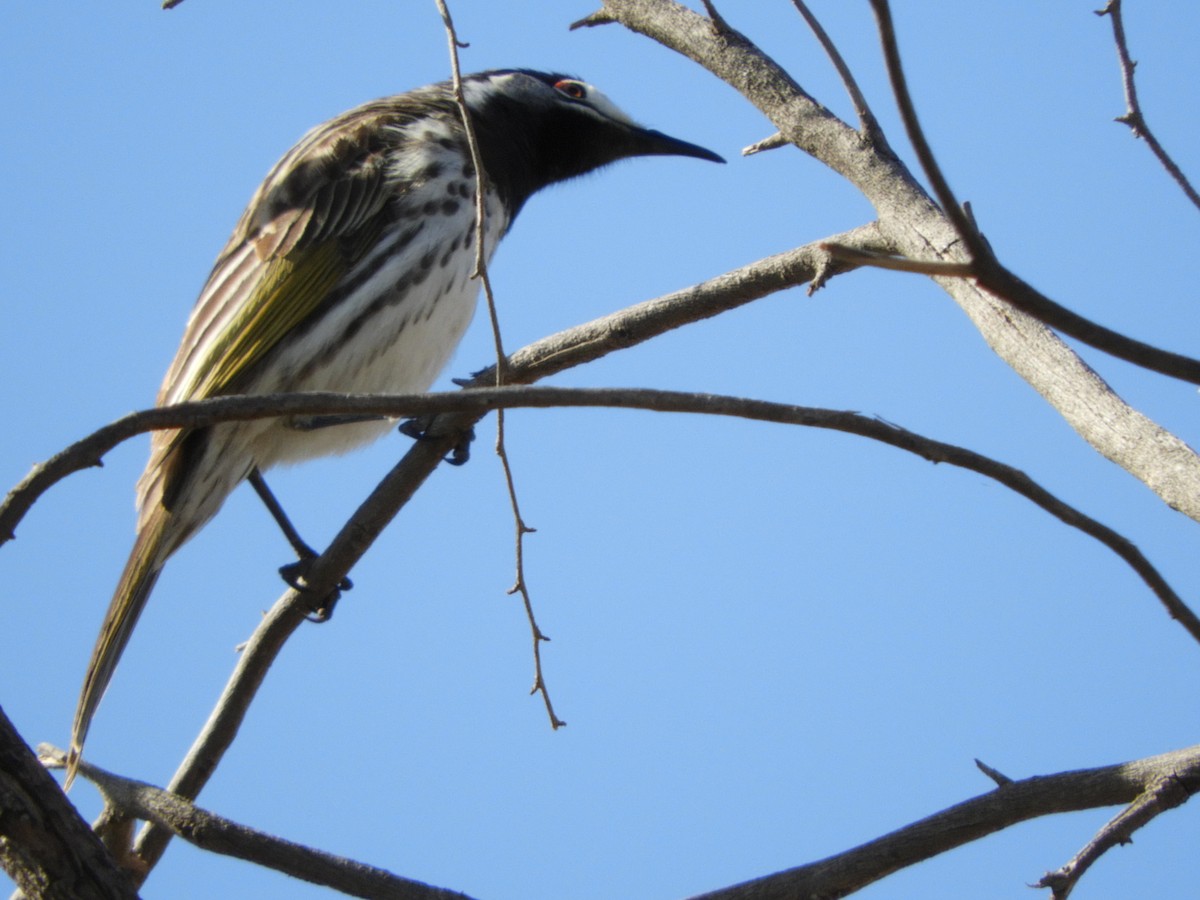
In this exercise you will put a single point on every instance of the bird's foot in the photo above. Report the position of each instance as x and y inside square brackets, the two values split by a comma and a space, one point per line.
[419, 430]
[296, 576]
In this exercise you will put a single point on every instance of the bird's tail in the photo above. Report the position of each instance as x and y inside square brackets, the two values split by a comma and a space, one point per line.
[150, 551]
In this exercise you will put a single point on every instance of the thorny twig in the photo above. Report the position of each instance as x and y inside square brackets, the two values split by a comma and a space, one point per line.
[521, 529]
[1133, 116]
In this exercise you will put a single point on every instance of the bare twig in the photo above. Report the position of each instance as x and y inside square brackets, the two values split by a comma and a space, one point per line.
[478, 402]
[216, 834]
[976, 247]
[989, 272]
[1164, 793]
[374, 514]
[999, 777]
[1019, 801]
[1133, 116]
[916, 228]
[481, 185]
[226, 718]
[932, 267]
[867, 122]
[774, 142]
[501, 370]
[599, 17]
[520, 583]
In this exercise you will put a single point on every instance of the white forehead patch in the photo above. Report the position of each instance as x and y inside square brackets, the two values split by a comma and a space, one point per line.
[598, 101]
[476, 93]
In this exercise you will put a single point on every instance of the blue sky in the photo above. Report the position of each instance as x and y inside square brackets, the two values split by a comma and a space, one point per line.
[770, 644]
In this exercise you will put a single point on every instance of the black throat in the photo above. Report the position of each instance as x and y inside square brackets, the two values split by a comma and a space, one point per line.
[525, 149]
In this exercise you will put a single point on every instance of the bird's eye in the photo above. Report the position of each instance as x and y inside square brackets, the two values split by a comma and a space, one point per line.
[573, 89]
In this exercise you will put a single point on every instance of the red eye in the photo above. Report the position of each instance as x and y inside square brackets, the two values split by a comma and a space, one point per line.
[572, 89]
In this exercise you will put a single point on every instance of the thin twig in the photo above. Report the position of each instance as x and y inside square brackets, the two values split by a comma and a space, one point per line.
[867, 122]
[977, 248]
[1133, 116]
[479, 401]
[1165, 793]
[216, 834]
[773, 142]
[999, 777]
[539, 684]
[932, 267]
[521, 584]
[256, 658]
[989, 272]
[481, 185]
[357, 535]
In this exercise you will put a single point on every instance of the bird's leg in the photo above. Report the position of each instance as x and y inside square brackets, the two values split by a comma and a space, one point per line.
[303, 550]
[418, 428]
[293, 573]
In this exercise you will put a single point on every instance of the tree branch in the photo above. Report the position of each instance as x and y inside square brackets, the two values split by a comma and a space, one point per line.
[46, 848]
[969, 821]
[919, 230]
[423, 457]
[1133, 116]
[538, 360]
[989, 272]
[933, 267]
[471, 405]
[866, 119]
[556, 353]
[1165, 792]
[216, 834]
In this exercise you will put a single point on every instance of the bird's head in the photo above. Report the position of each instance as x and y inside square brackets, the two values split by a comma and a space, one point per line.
[538, 128]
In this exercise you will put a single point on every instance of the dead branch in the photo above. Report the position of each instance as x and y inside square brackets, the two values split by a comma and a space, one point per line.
[989, 272]
[1009, 804]
[919, 230]
[45, 847]
[1133, 116]
[216, 834]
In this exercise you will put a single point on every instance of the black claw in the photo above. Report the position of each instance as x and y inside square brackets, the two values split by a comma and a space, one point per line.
[462, 450]
[295, 576]
[418, 429]
[415, 427]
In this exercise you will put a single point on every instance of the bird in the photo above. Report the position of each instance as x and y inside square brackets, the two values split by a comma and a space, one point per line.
[350, 271]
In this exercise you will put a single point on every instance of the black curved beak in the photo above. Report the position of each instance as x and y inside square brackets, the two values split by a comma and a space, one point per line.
[654, 143]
